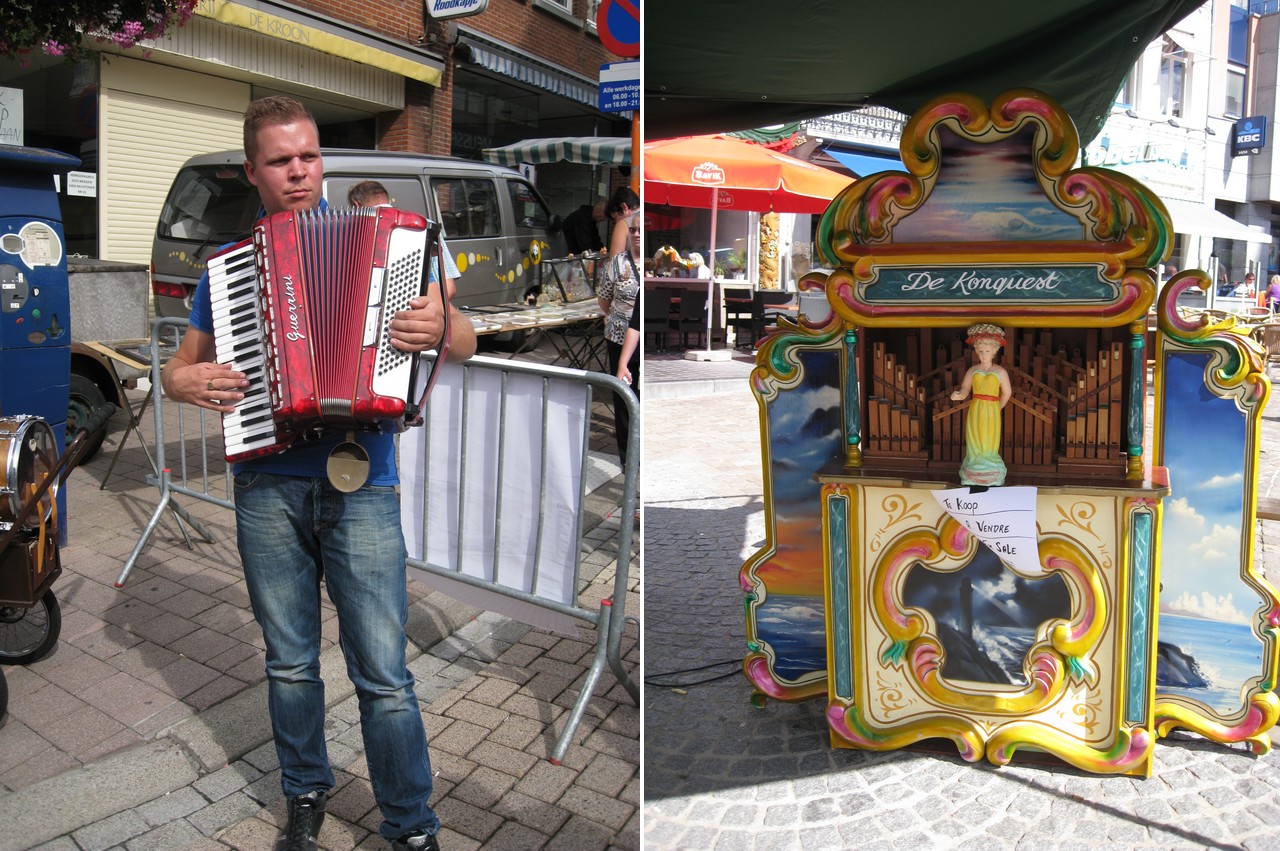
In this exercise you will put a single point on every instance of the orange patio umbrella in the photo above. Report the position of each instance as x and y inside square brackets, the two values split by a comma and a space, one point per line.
[720, 172]
[732, 174]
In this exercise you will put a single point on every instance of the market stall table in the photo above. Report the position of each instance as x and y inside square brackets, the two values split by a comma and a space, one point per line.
[575, 329]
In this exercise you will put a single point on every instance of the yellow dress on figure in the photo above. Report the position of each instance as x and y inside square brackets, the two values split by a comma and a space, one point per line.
[982, 462]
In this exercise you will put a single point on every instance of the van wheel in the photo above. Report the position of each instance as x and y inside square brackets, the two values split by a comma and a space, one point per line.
[85, 398]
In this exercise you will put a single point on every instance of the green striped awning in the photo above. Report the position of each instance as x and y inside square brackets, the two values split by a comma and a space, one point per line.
[590, 150]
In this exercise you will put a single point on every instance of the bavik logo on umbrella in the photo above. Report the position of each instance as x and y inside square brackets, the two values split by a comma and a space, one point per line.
[708, 173]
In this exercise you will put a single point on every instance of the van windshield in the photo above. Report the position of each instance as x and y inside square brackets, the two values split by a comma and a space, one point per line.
[530, 212]
[209, 204]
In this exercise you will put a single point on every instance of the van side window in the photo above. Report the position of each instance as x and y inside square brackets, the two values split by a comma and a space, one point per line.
[468, 207]
[406, 192]
[527, 206]
[211, 204]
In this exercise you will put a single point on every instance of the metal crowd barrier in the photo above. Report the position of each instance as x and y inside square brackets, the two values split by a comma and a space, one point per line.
[198, 476]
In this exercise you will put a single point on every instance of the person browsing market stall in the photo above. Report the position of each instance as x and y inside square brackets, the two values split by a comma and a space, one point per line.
[617, 296]
[581, 233]
[294, 529]
[621, 205]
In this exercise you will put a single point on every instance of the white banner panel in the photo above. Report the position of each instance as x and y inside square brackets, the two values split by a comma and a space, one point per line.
[490, 492]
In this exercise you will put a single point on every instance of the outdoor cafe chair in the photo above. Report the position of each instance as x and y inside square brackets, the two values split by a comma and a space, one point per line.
[692, 316]
[656, 317]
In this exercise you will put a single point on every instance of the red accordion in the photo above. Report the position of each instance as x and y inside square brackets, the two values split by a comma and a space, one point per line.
[304, 309]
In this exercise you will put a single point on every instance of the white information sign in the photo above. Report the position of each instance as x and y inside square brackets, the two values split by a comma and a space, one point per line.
[82, 183]
[1002, 518]
[11, 126]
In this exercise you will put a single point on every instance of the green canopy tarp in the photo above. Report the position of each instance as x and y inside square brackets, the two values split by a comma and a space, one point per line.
[716, 66]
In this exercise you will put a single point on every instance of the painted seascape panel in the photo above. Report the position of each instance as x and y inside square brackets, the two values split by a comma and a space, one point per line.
[804, 433]
[987, 616]
[1207, 648]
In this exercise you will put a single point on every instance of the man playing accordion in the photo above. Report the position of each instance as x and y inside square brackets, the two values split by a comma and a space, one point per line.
[293, 528]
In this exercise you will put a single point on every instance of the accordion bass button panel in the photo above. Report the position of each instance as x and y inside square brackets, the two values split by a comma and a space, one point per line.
[403, 280]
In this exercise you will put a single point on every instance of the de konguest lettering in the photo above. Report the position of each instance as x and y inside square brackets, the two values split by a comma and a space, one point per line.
[973, 281]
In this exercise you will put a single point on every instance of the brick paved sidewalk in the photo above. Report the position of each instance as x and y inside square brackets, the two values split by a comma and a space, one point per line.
[146, 727]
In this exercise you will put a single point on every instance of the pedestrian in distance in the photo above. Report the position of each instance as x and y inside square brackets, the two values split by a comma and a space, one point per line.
[1273, 293]
[619, 291]
[371, 193]
[295, 529]
[581, 231]
[621, 205]
[1246, 288]
[368, 193]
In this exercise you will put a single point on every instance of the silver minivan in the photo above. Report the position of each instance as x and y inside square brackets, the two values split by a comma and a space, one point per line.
[496, 225]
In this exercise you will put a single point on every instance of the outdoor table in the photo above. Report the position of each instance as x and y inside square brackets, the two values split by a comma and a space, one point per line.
[575, 329]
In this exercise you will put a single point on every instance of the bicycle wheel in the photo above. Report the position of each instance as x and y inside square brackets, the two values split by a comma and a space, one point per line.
[27, 635]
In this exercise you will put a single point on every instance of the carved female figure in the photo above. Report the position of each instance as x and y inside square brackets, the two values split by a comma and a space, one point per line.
[989, 384]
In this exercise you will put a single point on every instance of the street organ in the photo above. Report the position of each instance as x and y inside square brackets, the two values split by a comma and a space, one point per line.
[1029, 615]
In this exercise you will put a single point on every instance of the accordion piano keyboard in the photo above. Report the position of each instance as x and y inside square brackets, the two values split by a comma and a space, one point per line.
[238, 341]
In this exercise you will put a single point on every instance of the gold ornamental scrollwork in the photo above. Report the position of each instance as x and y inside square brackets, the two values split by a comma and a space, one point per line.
[898, 510]
[889, 694]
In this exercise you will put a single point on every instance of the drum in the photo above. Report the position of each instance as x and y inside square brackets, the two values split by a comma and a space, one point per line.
[29, 454]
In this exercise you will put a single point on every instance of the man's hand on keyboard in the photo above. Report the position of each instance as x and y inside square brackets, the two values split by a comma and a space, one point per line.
[209, 385]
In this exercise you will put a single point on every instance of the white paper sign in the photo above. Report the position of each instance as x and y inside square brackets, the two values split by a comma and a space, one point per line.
[11, 116]
[82, 183]
[1002, 518]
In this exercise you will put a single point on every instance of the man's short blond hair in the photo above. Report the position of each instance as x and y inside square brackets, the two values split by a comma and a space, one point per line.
[268, 112]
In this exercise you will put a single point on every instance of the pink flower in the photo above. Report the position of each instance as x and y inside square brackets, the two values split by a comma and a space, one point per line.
[53, 48]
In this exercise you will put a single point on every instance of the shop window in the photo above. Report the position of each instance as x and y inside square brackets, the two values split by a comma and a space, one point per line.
[528, 208]
[1173, 73]
[560, 8]
[468, 208]
[1125, 96]
[1238, 36]
[1234, 104]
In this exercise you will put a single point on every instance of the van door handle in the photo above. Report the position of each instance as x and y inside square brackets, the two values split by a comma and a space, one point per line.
[498, 253]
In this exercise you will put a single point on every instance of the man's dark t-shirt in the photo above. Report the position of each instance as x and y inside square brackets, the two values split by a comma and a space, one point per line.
[580, 231]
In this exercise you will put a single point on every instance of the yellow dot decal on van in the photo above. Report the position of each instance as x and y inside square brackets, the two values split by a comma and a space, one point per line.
[461, 262]
[535, 253]
[511, 277]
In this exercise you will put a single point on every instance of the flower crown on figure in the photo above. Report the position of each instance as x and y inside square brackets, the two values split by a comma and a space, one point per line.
[985, 331]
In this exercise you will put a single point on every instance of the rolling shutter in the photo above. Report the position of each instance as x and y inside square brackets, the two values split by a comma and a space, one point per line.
[150, 126]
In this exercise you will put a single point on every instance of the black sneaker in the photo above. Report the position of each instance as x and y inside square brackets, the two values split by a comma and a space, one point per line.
[306, 814]
[416, 842]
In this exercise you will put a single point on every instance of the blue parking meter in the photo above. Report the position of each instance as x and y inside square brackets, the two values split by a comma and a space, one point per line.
[35, 301]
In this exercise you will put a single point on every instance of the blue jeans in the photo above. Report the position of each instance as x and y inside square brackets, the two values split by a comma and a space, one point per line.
[291, 533]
